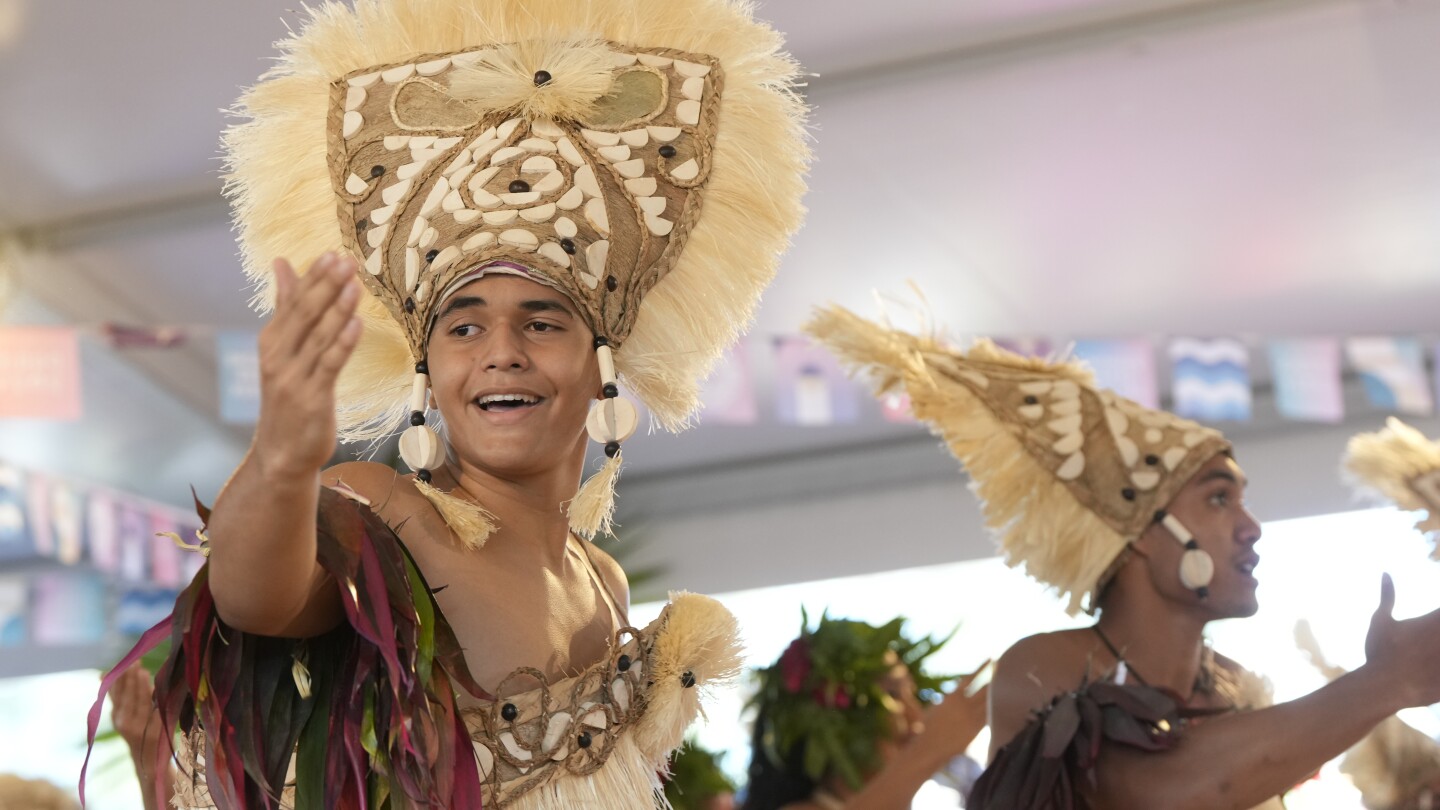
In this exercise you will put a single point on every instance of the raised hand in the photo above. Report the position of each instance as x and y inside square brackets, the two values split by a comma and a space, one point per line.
[954, 722]
[302, 349]
[1407, 652]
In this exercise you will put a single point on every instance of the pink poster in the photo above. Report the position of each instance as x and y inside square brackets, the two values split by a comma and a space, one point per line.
[729, 394]
[39, 373]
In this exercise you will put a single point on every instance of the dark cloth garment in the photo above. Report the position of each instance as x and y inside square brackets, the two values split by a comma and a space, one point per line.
[380, 727]
[1050, 765]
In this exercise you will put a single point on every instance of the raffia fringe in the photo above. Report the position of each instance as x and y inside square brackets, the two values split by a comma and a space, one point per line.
[471, 524]
[1386, 462]
[1038, 522]
[592, 511]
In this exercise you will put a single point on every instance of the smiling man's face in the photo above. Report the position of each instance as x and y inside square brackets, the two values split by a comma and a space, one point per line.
[513, 371]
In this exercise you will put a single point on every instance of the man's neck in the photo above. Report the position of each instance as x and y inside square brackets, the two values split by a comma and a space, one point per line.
[1161, 642]
[531, 508]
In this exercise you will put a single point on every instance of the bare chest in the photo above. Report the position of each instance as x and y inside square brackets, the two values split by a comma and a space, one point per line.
[510, 608]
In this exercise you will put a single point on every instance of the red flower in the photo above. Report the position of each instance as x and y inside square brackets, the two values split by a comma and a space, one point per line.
[795, 665]
[831, 696]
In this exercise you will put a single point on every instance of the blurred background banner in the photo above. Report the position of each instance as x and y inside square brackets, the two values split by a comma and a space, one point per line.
[1210, 379]
[39, 373]
[1393, 372]
[1126, 366]
[1307, 379]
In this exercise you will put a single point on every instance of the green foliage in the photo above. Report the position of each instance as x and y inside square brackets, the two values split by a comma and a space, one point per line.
[695, 777]
[828, 693]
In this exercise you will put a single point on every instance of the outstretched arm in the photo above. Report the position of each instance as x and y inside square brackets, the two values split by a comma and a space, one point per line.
[263, 571]
[950, 727]
[1243, 759]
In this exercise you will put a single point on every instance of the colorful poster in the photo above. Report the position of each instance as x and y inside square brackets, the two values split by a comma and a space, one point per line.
[37, 515]
[68, 608]
[810, 387]
[1392, 369]
[1306, 372]
[134, 535]
[67, 521]
[729, 394]
[143, 608]
[1211, 379]
[1126, 367]
[15, 542]
[14, 611]
[165, 561]
[102, 533]
[238, 359]
[39, 373]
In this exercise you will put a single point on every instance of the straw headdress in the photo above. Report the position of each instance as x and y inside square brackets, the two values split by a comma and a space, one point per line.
[1068, 474]
[1400, 465]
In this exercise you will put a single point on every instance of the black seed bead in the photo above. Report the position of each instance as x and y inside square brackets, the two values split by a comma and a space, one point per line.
[611, 449]
[423, 475]
[509, 712]
[568, 245]
[362, 224]
[519, 186]
[421, 368]
[667, 151]
[417, 418]
[542, 78]
[601, 340]
[1032, 400]
[611, 283]
[376, 171]
[611, 390]
[1159, 515]
[431, 254]
[1203, 593]
[583, 740]
[1128, 494]
[623, 664]
[1192, 545]
[687, 680]
[410, 305]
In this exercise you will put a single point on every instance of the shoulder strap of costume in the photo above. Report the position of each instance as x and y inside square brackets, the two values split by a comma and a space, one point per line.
[618, 617]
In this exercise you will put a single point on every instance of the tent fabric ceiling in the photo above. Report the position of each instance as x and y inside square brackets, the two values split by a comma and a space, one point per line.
[1064, 167]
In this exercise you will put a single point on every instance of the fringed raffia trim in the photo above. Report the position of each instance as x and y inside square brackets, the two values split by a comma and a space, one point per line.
[1038, 522]
[469, 521]
[592, 512]
[701, 638]
[1389, 462]
[629, 779]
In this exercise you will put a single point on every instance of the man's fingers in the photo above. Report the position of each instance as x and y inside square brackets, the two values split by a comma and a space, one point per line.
[285, 281]
[966, 680]
[311, 297]
[329, 328]
[1387, 597]
[327, 368]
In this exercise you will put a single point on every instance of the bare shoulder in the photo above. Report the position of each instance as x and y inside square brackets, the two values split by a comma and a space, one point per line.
[372, 480]
[1031, 673]
[613, 575]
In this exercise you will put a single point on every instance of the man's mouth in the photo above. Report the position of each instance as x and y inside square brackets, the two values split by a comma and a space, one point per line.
[1247, 566]
[504, 403]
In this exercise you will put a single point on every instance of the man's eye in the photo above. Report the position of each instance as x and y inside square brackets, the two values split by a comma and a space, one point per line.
[1220, 498]
[464, 330]
[543, 326]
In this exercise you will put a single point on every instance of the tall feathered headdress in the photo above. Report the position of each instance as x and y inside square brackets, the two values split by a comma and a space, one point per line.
[1068, 474]
[1402, 466]
[644, 157]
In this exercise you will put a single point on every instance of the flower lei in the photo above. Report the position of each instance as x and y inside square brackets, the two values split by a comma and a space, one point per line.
[825, 692]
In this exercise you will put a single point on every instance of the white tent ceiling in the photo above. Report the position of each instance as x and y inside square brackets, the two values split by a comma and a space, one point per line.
[1063, 167]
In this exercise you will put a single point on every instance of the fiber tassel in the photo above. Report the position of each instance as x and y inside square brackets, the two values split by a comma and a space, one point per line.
[469, 521]
[593, 509]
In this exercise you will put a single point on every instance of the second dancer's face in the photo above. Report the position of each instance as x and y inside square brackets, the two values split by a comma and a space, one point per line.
[1212, 506]
[513, 373]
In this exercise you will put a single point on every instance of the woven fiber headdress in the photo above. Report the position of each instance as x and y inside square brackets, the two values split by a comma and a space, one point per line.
[1402, 466]
[1068, 474]
[645, 158]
